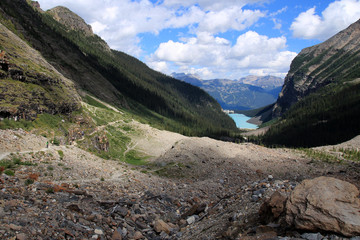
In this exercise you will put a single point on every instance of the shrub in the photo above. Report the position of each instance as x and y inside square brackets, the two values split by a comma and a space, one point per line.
[49, 190]
[61, 154]
[29, 181]
[56, 141]
[9, 172]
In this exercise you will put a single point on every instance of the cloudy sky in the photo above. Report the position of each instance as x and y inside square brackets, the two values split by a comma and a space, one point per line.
[211, 38]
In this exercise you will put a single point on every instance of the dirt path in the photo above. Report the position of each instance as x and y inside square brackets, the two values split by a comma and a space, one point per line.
[6, 154]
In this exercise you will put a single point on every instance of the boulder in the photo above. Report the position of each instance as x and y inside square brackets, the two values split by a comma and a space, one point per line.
[325, 204]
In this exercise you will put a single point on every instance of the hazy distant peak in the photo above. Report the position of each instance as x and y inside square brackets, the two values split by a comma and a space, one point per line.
[263, 81]
[193, 79]
[70, 19]
[188, 75]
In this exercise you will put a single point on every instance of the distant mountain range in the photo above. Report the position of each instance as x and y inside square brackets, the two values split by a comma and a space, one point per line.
[246, 93]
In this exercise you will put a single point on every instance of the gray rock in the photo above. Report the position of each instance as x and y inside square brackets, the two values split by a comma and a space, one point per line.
[2, 212]
[99, 231]
[312, 236]
[121, 211]
[191, 220]
[255, 198]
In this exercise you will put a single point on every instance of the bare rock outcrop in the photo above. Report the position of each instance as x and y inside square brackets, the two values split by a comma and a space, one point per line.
[71, 20]
[325, 204]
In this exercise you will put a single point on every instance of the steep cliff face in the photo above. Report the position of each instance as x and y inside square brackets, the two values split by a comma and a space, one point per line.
[29, 85]
[333, 61]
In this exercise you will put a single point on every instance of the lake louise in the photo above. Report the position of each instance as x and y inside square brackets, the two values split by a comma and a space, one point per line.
[241, 121]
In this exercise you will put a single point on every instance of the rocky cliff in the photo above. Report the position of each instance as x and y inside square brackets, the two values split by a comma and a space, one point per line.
[70, 20]
[333, 61]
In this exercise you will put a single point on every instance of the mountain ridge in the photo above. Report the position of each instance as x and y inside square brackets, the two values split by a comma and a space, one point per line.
[236, 94]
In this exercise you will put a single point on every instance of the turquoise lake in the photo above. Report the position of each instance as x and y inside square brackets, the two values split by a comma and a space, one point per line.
[240, 120]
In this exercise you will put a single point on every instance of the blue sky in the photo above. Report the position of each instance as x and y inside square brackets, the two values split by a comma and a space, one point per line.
[214, 39]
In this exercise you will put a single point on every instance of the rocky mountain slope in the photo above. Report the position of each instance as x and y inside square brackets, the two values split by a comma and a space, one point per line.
[333, 61]
[246, 93]
[113, 76]
[190, 188]
[29, 85]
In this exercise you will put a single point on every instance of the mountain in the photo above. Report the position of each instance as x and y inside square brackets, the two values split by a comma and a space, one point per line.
[68, 44]
[189, 78]
[265, 82]
[66, 17]
[236, 94]
[333, 61]
[320, 100]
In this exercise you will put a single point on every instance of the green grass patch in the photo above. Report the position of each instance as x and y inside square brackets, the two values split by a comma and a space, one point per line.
[320, 155]
[134, 158]
[11, 124]
[126, 128]
[102, 116]
[14, 162]
[90, 100]
[350, 154]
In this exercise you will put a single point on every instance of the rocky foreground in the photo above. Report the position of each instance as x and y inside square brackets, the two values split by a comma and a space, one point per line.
[193, 188]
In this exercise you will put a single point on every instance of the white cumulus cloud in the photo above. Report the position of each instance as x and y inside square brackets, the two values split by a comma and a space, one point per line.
[336, 17]
[231, 18]
[119, 22]
[203, 46]
[251, 53]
